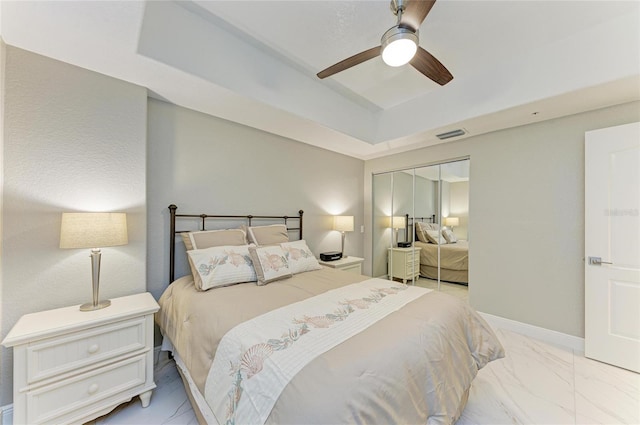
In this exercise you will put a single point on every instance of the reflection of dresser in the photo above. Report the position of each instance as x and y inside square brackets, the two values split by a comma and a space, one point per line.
[404, 263]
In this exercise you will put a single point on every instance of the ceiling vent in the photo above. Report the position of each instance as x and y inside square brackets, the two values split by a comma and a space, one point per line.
[450, 134]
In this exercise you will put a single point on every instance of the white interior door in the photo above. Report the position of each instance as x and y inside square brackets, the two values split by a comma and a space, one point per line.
[612, 245]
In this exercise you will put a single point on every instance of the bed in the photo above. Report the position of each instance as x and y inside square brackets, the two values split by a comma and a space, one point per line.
[382, 352]
[450, 253]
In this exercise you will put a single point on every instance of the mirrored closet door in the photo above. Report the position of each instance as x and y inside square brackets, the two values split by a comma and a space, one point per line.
[420, 224]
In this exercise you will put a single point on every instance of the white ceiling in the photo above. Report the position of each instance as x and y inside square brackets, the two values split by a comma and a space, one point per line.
[254, 62]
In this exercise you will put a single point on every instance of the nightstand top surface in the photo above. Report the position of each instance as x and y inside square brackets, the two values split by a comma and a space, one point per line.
[45, 324]
[343, 261]
[409, 248]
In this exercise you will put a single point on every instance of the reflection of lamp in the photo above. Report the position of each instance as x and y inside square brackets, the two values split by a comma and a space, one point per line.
[396, 222]
[451, 221]
[93, 230]
[343, 223]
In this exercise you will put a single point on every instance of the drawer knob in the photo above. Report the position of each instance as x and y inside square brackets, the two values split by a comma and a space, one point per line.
[92, 388]
[93, 348]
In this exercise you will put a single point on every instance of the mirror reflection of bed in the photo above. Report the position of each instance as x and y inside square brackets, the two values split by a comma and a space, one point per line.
[434, 201]
[444, 259]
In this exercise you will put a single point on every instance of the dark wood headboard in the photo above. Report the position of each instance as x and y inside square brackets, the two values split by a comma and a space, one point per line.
[408, 221]
[204, 218]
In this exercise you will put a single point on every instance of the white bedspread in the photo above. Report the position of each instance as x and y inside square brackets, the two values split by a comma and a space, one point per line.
[256, 360]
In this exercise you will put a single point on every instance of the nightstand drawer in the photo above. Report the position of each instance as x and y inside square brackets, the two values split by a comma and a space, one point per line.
[59, 355]
[412, 262]
[60, 402]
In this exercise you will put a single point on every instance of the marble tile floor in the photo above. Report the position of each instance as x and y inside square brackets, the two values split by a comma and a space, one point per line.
[536, 383]
[455, 289]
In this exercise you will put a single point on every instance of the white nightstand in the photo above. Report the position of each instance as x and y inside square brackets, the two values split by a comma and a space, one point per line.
[72, 366]
[404, 263]
[348, 264]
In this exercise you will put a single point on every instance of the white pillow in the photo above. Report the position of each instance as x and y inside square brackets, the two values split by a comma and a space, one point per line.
[300, 257]
[221, 266]
[270, 263]
[449, 236]
[435, 237]
[421, 230]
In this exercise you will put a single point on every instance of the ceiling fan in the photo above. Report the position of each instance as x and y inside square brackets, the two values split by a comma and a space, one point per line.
[399, 44]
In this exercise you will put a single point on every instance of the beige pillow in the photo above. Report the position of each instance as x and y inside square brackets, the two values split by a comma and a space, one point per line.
[300, 257]
[268, 235]
[221, 266]
[449, 236]
[270, 263]
[210, 238]
[421, 230]
[435, 237]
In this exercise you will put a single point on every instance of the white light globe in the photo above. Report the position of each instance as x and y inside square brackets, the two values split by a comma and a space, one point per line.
[399, 52]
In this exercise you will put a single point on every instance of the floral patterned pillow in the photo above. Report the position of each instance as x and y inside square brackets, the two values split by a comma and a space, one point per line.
[421, 230]
[449, 236]
[435, 237]
[300, 257]
[270, 263]
[221, 266]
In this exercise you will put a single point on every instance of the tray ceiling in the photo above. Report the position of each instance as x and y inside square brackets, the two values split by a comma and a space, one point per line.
[254, 62]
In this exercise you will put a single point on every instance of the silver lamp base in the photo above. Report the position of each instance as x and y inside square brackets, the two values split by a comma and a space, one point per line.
[96, 304]
[91, 306]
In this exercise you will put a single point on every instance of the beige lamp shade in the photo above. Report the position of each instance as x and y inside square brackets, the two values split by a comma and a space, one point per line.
[343, 223]
[396, 222]
[93, 230]
[451, 221]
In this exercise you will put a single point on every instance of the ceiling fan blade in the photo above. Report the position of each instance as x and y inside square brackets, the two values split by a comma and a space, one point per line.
[349, 62]
[415, 12]
[431, 67]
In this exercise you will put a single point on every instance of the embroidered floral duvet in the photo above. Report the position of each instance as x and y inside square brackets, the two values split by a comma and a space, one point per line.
[414, 364]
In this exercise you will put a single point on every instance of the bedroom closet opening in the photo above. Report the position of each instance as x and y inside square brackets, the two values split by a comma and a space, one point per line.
[420, 226]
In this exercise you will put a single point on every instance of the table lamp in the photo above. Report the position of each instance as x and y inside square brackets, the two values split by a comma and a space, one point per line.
[95, 231]
[396, 223]
[451, 221]
[343, 223]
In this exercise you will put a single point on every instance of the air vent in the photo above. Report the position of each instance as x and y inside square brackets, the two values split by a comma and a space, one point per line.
[450, 134]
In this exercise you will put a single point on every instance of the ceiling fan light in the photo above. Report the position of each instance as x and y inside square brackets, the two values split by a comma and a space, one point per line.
[399, 45]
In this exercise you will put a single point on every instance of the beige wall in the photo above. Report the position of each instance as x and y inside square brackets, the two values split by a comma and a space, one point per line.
[459, 207]
[76, 140]
[205, 164]
[526, 215]
[73, 140]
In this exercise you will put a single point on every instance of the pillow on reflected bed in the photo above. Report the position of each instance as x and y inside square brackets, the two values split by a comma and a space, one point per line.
[435, 237]
[449, 236]
[221, 266]
[422, 228]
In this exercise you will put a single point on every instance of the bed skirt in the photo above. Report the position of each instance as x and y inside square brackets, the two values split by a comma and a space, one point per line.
[456, 276]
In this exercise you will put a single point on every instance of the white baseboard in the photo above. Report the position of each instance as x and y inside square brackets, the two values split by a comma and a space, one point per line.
[546, 335]
[6, 415]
